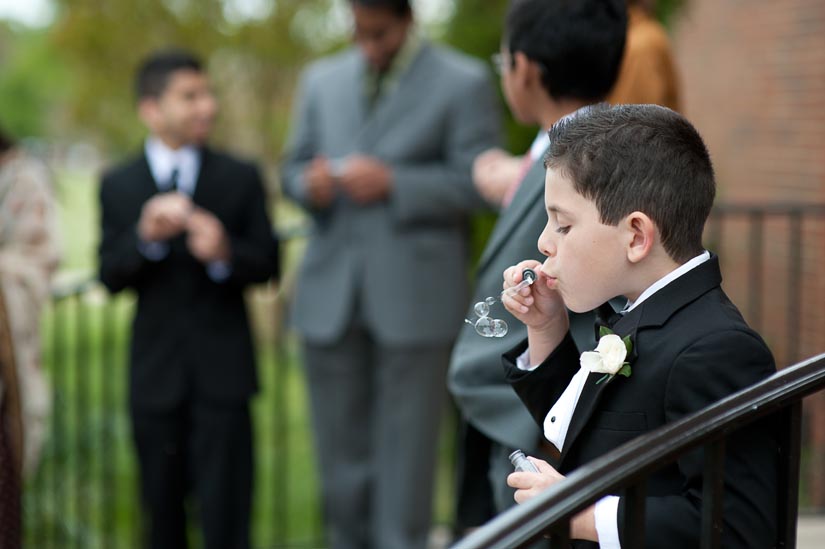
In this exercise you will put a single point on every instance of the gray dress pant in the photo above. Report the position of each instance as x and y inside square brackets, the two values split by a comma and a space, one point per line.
[376, 412]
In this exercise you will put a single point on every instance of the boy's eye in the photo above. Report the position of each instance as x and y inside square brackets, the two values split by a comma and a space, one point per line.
[563, 230]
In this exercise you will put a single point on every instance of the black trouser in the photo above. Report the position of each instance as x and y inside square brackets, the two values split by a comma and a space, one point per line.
[202, 448]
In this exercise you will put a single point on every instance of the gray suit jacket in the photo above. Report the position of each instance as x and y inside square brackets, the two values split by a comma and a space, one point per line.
[476, 378]
[401, 264]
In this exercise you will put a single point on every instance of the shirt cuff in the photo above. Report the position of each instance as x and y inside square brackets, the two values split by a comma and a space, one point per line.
[153, 251]
[218, 271]
[523, 361]
[607, 524]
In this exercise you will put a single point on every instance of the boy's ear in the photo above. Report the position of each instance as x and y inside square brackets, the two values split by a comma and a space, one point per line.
[642, 234]
[525, 70]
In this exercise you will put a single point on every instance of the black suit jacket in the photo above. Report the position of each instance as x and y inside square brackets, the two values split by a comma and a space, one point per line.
[191, 336]
[691, 348]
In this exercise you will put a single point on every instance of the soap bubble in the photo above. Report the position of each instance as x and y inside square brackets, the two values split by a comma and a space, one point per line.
[484, 327]
[491, 327]
[499, 328]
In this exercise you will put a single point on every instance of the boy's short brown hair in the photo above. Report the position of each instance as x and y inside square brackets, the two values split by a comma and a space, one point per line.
[643, 158]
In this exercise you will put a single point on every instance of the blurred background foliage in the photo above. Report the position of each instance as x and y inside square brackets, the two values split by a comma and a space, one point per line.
[66, 87]
[72, 80]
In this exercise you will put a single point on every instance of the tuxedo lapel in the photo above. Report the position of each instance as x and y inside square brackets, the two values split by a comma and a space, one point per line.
[530, 191]
[354, 111]
[145, 184]
[591, 392]
[652, 312]
[206, 189]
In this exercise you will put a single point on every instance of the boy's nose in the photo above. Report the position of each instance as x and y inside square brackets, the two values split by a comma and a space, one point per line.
[546, 245]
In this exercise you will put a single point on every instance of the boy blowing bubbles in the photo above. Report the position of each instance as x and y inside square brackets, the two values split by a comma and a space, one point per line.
[628, 190]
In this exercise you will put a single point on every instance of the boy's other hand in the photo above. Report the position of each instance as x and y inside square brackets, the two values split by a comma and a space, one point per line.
[494, 172]
[319, 182]
[529, 485]
[539, 307]
[164, 216]
[365, 179]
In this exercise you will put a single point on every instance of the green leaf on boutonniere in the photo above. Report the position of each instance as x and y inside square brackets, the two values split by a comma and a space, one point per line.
[624, 371]
[628, 344]
[603, 331]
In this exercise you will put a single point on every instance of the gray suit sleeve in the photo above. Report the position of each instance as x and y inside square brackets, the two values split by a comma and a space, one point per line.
[440, 191]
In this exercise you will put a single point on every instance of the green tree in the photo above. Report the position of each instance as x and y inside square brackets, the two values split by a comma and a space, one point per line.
[31, 82]
[253, 63]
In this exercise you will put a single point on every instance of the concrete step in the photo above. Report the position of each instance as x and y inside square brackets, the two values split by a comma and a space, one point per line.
[810, 534]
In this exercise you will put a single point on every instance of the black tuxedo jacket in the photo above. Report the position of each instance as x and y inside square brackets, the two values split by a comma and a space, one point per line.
[691, 348]
[191, 336]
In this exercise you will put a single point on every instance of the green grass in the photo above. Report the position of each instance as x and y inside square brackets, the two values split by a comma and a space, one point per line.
[85, 490]
[84, 493]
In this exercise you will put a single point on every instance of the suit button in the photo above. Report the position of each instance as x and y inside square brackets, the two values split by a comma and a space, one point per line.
[552, 419]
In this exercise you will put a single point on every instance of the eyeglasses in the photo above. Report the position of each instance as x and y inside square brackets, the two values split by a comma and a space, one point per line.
[501, 60]
[497, 60]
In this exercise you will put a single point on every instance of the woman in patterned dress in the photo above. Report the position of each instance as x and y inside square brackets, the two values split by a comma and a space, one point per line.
[28, 257]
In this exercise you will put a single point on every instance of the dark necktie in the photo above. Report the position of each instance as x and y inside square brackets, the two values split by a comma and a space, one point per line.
[605, 316]
[375, 92]
[174, 183]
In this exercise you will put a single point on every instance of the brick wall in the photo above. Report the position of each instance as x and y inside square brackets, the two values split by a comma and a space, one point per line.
[753, 74]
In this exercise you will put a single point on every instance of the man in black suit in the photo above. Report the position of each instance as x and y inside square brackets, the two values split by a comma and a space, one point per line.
[186, 227]
[628, 190]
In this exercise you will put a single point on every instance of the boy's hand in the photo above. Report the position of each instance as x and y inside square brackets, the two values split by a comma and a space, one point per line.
[529, 485]
[539, 307]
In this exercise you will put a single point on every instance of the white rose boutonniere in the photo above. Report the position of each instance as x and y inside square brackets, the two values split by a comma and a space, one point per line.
[609, 356]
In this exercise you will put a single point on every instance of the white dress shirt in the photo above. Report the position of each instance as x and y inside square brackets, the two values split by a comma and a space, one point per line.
[163, 161]
[557, 421]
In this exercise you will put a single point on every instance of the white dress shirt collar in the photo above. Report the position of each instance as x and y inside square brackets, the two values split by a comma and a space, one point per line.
[667, 279]
[164, 160]
[540, 144]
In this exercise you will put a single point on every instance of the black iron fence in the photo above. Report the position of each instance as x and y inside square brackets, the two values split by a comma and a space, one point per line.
[628, 467]
[84, 493]
[772, 256]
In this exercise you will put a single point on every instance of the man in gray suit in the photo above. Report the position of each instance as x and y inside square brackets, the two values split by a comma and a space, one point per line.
[380, 156]
[556, 57]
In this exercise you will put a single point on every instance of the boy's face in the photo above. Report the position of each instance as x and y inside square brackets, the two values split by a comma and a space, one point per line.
[586, 259]
[185, 112]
